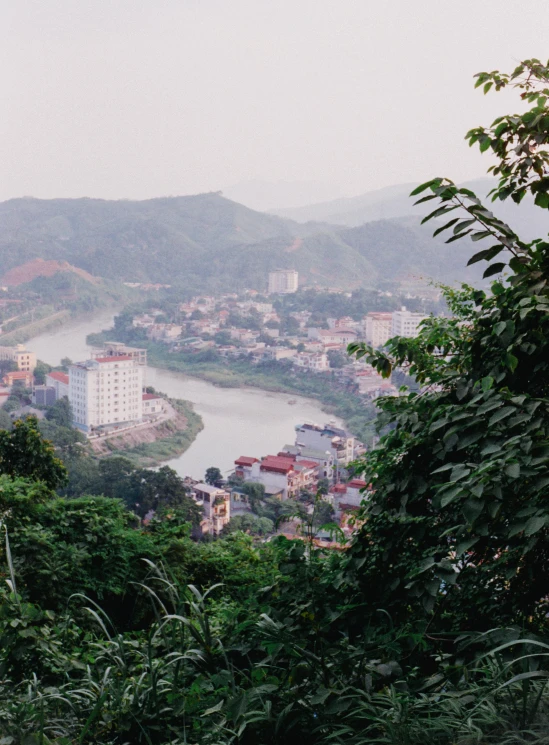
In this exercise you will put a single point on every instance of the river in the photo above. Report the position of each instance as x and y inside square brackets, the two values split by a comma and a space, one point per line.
[237, 421]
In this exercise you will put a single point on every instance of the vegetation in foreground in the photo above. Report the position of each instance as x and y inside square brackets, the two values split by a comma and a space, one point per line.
[431, 629]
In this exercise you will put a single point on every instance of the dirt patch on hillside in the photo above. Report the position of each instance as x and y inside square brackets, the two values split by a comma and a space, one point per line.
[294, 246]
[140, 435]
[19, 275]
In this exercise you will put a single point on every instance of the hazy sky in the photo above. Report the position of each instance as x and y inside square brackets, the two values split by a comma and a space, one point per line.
[142, 98]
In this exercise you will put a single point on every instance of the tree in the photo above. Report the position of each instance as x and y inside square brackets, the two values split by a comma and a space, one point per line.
[23, 452]
[60, 413]
[337, 359]
[249, 523]
[153, 490]
[213, 475]
[40, 372]
[458, 523]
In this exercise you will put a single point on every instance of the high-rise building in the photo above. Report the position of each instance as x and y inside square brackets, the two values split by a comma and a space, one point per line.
[106, 391]
[283, 281]
[406, 323]
[378, 328]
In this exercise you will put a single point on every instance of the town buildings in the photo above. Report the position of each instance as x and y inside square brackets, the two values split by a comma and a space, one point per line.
[59, 381]
[106, 391]
[25, 360]
[341, 445]
[378, 328]
[152, 404]
[284, 475]
[21, 377]
[406, 323]
[283, 282]
[216, 504]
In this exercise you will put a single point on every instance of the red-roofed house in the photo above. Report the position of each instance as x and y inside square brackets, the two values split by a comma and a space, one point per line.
[59, 381]
[26, 378]
[243, 467]
[279, 474]
[152, 404]
[349, 495]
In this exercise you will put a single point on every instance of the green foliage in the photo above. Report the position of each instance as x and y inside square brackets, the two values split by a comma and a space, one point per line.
[249, 523]
[40, 372]
[23, 452]
[60, 413]
[213, 475]
[431, 629]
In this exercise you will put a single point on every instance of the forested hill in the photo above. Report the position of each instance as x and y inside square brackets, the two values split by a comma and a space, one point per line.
[209, 242]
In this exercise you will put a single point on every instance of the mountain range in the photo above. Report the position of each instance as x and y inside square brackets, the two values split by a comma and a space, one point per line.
[207, 242]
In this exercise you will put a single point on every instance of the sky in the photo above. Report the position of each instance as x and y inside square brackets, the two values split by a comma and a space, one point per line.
[144, 98]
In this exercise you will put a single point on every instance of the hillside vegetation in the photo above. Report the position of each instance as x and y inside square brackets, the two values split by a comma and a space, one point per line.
[207, 242]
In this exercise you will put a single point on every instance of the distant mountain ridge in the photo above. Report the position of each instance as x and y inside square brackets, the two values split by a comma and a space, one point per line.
[395, 202]
[208, 243]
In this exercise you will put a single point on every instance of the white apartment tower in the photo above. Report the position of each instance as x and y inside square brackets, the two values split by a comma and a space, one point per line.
[106, 391]
[283, 281]
[378, 329]
[406, 323]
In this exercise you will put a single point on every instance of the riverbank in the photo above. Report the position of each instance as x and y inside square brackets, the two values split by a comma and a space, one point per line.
[151, 446]
[272, 376]
[40, 326]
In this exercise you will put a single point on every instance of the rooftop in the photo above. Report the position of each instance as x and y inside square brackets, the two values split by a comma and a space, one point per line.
[150, 396]
[115, 358]
[59, 376]
[245, 460]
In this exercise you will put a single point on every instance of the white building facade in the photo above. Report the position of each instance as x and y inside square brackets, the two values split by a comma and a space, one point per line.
[106, 391]
[283, 281]
[406, 323]
[378, 328]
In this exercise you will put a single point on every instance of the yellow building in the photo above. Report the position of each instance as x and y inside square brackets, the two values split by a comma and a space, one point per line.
[25, 360]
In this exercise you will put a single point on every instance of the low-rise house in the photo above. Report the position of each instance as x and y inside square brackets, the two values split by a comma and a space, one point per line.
[59, 381]
[19, 376]
[340, 443]
[43, 395]
[217, 507]
[348, 497]
[313, 361]
[323, 459]
[280, 474]
[152, 404]
[164, 332]
[338, 336]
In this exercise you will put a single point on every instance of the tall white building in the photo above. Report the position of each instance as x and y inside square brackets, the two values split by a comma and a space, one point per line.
[406, 323]
[378, 328]
[106, 391]
[283, 281]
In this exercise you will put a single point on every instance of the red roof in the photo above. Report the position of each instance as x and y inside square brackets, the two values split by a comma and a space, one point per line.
[150, 396]
[277, 464]
[115, 358]
[338, 489]
[18, 375]
[308, 463]
[357, 484]
[245, 460]
[59, 376]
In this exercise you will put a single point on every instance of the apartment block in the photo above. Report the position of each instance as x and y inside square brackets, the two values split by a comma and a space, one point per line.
[406, 323]
[340, 444]
[378, 328]
[25, 360]
[106, 391]
[283, 282]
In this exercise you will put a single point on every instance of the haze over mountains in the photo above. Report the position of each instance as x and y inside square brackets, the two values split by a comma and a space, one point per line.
[208, 242]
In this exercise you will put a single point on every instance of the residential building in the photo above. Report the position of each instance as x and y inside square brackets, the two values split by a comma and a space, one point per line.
[323, 458]
[19, 376]
[348, 497]
[59, 381]
[313, 361]
[106, 391]
[406, 323]
[25, 360]
[336, 336]
[43, 395]
[152, 404]
[282, 474]
[378, 328]
[337, 441]
[217, 507]
[164, 332]
[117, 348]
[283, 281]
